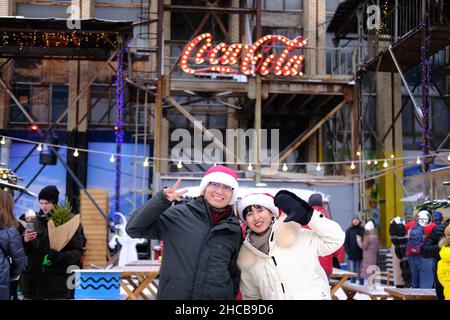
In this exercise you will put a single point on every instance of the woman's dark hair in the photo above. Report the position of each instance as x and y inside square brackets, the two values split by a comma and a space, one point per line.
[249, 208]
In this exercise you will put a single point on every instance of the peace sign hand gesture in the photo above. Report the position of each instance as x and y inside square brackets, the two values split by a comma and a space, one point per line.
[172, 193]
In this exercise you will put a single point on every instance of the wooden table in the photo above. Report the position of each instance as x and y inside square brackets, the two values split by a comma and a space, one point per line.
[411, 293]
[144, 263]
[342, 275]
[140, 278]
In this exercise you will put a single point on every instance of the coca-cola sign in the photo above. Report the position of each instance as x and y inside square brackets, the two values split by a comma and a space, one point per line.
[244, 58]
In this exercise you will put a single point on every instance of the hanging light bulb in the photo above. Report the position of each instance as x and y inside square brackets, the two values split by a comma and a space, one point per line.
[418, 160]
[179, 165]
[250, 167]
[3, 141]
[375, 162]
[358, 153]
[352, 166]
[145, 163]
[285, 167]
[448, 157]
[385, 164]
[392, 156]
[39, 148]
[75, 153]
[369, 162]
[318, 168]
[112, 159]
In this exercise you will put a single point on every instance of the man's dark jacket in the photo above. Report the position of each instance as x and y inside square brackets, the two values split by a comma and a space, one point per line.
[199, 260]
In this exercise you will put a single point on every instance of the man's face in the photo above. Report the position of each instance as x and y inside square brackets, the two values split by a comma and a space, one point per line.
[45, 206]
[218, 195]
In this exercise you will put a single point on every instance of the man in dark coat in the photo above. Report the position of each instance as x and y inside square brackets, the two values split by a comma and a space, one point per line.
[42, 280]
[201, 238]
[430, 249]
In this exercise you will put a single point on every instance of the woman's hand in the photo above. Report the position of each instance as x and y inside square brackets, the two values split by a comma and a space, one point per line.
[172, 193]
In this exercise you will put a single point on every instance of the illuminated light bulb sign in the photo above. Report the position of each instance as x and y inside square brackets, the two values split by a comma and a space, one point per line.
[252, 59]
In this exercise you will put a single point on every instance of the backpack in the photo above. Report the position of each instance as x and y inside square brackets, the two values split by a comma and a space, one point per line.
[416, 237]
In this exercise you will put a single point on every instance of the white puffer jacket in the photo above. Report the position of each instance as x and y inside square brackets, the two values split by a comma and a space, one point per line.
[291, 270]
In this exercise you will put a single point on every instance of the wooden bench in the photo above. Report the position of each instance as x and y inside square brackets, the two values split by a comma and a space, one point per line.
[351, 289]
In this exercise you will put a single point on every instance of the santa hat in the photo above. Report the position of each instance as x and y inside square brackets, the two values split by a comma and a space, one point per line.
[265, 200]
[223, 175]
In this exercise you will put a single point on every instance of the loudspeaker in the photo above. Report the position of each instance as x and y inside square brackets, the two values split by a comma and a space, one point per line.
[47, 156]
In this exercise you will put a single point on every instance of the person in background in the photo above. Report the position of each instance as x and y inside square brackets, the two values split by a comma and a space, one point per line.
[353, 250]
[422, 267]
[402, 274]
[12, 255]
[49, 282]
[370, 245]
[431, 249]
[278, 260]
[316, 202]
[443, 266]
[201, 238]
[437, 217]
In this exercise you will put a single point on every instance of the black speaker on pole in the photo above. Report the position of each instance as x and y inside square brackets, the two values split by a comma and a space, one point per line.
[47, 156]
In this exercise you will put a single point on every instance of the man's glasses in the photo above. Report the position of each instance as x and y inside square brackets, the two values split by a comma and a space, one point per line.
[216, 186]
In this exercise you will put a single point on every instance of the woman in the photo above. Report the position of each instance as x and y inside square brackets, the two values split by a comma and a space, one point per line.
[12, 256]
[354, 252]
[280, 259]
[370, 246]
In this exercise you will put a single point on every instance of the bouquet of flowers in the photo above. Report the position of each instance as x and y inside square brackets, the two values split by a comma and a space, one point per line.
[62, 226]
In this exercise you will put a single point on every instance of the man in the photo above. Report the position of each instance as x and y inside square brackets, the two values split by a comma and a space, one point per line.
[42, 280]
[430, 249]
[201, 238]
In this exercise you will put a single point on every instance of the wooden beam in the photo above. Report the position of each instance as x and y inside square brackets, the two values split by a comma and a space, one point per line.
[304, 136]
[209, 9]
[199, 126]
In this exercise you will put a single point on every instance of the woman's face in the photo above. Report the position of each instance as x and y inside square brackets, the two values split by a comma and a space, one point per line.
[258, 219]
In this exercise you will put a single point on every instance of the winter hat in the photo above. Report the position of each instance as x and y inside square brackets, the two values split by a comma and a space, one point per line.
[223, 175]
[315, 200]
[265, 200]
[424, 218]
[369, 226]
[49, 193]
[30, 213]
[437, 217]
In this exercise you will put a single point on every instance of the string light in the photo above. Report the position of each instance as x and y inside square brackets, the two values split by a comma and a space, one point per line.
[385, 164]
[250, 167]
[418, 161]
[392, 156]
[318, 168]
[375, 162]
[39, 147]
[285, 167]
[358, 153]
[75, 153]
[179, 165]
[352, 166]
[145, 164]
[3, 141]
[112, 159]
[369, 162]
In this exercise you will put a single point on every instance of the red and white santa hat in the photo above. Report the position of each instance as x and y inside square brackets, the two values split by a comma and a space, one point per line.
[223, 175]
[265, 200]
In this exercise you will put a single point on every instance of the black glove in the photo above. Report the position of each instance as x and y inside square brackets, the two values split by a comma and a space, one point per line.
[296, 209]
[57, 257]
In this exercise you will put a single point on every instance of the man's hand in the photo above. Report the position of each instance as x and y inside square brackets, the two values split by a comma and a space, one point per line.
[29, 235]
[172, 193]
